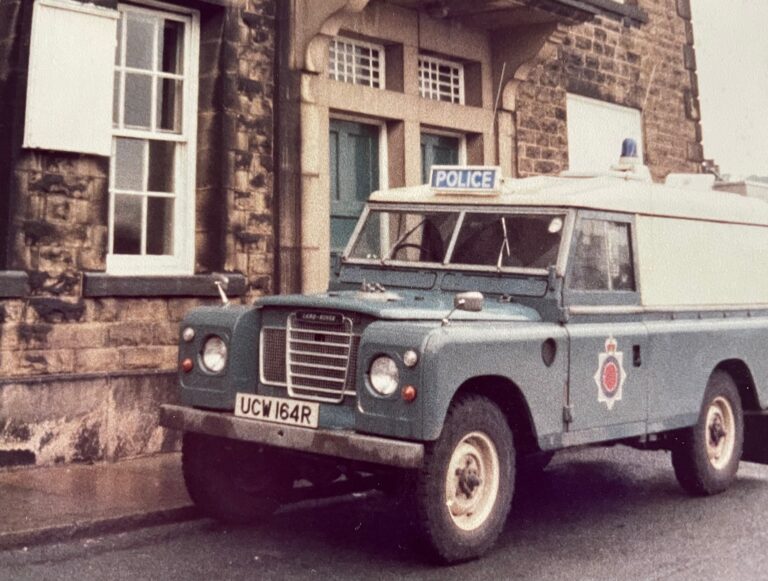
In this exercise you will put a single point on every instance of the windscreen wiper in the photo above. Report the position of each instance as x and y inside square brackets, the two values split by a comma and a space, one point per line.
[504, 243]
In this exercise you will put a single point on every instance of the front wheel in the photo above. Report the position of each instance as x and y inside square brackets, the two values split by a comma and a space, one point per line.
[706, 456]
[233, 481]
[465, 487]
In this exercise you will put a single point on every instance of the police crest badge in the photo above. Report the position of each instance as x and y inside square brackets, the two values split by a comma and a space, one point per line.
[610, 374]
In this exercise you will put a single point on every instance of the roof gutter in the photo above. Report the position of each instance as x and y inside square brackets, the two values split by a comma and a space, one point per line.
[630, 14]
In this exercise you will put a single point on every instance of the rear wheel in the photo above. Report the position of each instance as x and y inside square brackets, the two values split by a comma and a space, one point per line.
[233, 481]
[464, 489]
[706, 456]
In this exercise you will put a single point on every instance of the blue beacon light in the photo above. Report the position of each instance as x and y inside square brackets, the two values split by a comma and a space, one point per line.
[629, 148]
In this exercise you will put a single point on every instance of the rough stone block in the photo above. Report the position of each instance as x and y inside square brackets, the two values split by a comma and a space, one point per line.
[131, 334]
[135, 401]
[143, 310]
[156, 357]
[689, 57]
[63, 335]
[177, 308]
[166, 333]
[684, 9]
[96, 360]
[103, 309]
[38, 361]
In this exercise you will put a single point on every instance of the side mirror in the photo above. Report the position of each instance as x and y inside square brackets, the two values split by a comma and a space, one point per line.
[472, 301]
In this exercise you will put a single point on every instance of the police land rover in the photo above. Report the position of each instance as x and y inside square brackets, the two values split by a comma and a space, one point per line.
[475, 325]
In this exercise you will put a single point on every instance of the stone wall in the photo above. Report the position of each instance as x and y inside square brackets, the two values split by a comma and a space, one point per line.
[84, 419]
[650, 68]
[81, 376]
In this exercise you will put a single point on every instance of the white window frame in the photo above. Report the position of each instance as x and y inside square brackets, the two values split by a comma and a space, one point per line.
[181, 261]
[428, 66]
[596, 130]
[352, 77]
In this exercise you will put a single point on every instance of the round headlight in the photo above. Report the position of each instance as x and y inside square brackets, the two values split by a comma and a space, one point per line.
[214, 354]
[384, 375]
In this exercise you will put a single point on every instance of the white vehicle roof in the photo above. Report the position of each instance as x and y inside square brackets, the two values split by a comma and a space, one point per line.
[612, 192]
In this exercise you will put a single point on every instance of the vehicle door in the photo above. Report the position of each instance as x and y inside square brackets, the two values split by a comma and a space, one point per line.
[607, 382]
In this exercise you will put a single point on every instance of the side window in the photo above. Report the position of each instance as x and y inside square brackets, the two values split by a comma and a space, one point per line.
[603, 257]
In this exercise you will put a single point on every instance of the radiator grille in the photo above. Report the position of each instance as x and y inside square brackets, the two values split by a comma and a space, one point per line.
[322, 359]
[309, 342]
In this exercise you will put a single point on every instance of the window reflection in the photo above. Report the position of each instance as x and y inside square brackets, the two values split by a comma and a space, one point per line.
[602, 257]
[511, 240]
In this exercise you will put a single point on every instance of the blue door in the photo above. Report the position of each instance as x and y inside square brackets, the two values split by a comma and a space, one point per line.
[354, 172]
[437, 150]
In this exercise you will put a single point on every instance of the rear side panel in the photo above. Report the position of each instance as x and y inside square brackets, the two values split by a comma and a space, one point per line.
[683, 354]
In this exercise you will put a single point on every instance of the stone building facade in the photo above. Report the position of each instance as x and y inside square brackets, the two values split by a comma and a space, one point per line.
[534, 87]
[278, 118]
[88, 351]
[649, 68]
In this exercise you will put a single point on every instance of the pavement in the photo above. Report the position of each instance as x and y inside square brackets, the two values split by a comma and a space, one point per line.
[50, 504]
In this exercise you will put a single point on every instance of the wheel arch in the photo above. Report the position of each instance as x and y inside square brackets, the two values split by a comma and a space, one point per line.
[507, 395]
[745, 383]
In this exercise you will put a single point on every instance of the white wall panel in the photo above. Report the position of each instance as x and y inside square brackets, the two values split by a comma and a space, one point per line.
[595, 132]
[696, 263]
[70, 87]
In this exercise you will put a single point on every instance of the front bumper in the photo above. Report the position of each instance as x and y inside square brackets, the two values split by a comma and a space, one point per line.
[340, 444]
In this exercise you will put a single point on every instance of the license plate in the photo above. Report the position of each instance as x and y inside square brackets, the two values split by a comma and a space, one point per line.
[277, 409]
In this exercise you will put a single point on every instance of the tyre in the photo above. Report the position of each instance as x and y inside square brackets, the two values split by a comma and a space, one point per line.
[706, 456]
[464, 489]
[232, 481]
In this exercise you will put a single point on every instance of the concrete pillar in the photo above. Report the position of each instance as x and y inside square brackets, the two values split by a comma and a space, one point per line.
[315, 185]
[506, 143]
[412, 144]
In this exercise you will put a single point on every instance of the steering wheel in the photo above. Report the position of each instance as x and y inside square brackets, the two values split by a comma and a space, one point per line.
[405, 245]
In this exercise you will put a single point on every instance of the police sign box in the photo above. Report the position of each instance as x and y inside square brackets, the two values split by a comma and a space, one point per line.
[483, 180]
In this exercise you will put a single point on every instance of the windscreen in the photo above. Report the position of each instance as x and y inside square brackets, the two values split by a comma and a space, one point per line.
[405, 236]
[508, 240]
[461, 237]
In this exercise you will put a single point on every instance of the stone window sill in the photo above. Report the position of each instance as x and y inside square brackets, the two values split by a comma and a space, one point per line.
[98, 284]
[13, 284]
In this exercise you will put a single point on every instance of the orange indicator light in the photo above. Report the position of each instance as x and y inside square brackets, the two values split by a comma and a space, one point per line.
[409, 393]
[187, 365]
